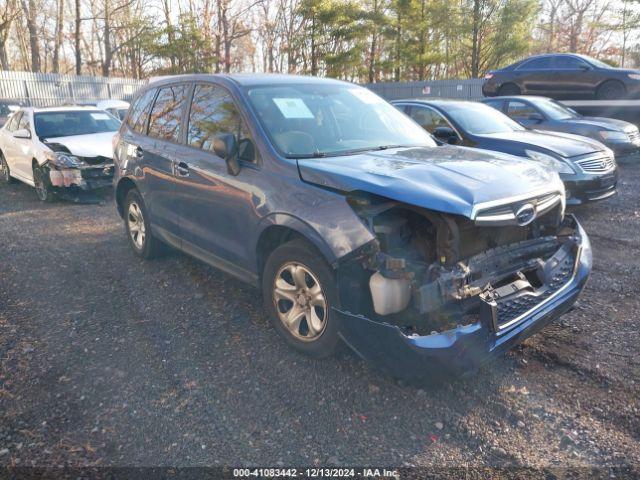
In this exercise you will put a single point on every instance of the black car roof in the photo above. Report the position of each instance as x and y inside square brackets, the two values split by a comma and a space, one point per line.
[435, 101]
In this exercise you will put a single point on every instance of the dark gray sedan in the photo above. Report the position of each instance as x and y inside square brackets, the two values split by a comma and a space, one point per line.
[543, 113]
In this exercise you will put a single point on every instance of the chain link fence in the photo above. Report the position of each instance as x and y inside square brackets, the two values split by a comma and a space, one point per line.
[459, 89]
[49, 89]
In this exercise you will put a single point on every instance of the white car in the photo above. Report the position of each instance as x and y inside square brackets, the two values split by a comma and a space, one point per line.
[59, 151]
[117, 108]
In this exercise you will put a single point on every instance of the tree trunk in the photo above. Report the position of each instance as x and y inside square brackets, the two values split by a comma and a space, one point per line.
[475, 49]
[30, 13]
[77, 39]
[396, 74]
[59, 35]
[374, 41]
[108, 52]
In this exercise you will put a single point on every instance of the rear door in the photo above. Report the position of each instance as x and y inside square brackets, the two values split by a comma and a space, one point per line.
[216, 207]
[22, 151]
[9, 145]
[537, 76]
[161, 152]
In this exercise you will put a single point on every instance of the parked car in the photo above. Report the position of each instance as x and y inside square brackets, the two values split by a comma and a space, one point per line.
[355, 226]
[543, 113]
[117, 108]
[562, 76]
[587, 167]
[59, 151]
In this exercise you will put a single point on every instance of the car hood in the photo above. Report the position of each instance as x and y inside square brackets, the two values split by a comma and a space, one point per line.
[602, 123]
[563, 144]
[92, 145]
[447, 179]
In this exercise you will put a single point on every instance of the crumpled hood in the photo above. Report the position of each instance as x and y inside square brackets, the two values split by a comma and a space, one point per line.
[92, 145]
[447, 179]
[563, 144]
[601, 122]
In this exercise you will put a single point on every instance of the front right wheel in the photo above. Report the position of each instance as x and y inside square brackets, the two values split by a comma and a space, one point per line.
[299, 290]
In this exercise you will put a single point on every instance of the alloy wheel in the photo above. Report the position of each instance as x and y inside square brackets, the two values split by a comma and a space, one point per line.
[135, 222]
[300, 302]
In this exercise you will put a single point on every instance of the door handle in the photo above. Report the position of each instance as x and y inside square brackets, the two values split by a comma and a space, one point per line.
[139, 152]
[181, 169]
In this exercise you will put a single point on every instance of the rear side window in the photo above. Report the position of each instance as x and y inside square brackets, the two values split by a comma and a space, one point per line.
[140, 112]
[213, 112]
[497, 104]
[166, 114]
[545, 63]
[428, 119]
[24, 123]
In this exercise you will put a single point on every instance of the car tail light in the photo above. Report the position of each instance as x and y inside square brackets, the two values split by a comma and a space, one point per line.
[488, 76]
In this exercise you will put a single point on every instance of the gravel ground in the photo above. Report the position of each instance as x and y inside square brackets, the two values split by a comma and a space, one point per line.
[109, 360]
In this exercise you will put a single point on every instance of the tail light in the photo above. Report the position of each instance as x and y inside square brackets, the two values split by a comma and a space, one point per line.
[488, 76]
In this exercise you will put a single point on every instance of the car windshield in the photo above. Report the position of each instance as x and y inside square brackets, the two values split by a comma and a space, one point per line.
[555, 111]
[312, 120]
[480, 119]
[74, 122]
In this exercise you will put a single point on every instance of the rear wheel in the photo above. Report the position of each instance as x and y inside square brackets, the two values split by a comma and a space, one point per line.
[509, 89]
[299, 290]
[136, 222]
[5, 172]
[42, 185]
[611, 90]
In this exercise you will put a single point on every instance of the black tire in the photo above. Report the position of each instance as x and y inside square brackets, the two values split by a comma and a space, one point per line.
[145, 244]
[5, 172]
[509, 89]
[294, 253]
[43, 188]
[611, 90]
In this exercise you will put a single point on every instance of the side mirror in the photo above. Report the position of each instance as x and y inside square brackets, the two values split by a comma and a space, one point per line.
[226, 147]
[535, 118]
[22, 133]
[446, 134]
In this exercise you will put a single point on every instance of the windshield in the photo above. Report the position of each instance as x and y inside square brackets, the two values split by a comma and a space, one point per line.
[480, 119]
[70, 122]
[325, 120]
[555, 111]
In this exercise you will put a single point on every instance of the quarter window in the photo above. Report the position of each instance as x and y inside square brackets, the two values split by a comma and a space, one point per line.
[140, 112]
[213, 113]
[428, 119]
[166, 114]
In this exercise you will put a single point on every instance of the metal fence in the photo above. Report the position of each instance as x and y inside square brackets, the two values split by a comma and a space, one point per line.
[49, 89]
[460, 89]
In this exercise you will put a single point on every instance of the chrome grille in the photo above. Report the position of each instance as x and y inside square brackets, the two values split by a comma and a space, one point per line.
[597, 163]
[506, 214]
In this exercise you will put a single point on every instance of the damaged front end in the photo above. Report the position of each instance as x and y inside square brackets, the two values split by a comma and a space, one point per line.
[446, 292]
[71, 175]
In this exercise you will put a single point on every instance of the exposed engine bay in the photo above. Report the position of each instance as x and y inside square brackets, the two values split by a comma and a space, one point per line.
[429, 272]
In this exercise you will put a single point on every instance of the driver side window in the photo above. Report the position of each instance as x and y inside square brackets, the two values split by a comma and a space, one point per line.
[520, 110]
[428, 119]
[213, 113]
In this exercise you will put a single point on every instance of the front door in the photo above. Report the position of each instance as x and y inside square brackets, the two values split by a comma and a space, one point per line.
[216, 208]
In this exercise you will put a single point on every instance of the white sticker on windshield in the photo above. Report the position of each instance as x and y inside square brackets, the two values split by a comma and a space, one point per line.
[293, 108]
[100, 116]
[367, 96]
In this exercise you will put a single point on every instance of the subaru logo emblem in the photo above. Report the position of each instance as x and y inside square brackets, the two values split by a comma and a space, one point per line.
[525, 214]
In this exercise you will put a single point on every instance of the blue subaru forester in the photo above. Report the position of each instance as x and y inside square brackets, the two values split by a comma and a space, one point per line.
[424, 260]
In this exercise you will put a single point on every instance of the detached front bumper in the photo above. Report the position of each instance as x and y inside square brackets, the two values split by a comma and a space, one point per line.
[462, 350]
